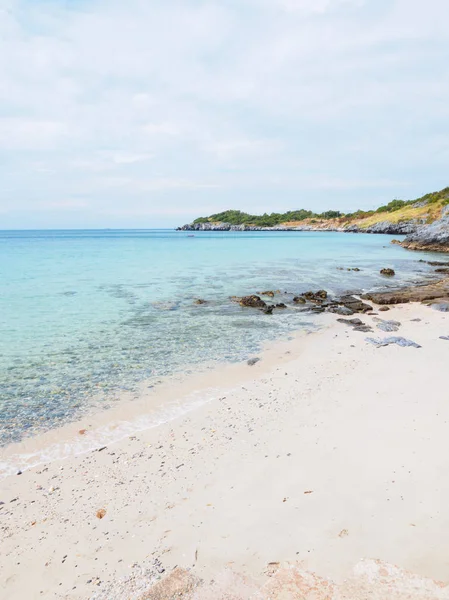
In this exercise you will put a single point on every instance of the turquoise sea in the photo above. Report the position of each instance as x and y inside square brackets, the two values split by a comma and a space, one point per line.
[88, 314]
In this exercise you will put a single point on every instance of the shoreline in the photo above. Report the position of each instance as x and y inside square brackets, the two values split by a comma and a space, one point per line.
[228, 483]
[158, 401]
[172, 397]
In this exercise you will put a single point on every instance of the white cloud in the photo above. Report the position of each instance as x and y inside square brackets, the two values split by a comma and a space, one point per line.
[240, 148]
[183, 98]
[161, 129]
[316, 6]
[129, 159]
[25, 133]
[142, 185]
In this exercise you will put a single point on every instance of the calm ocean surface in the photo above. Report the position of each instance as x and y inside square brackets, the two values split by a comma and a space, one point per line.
[87, 314]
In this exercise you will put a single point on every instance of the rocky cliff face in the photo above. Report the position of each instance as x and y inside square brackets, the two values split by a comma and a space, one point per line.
[434, 237]
[229, 227]
[402, 228]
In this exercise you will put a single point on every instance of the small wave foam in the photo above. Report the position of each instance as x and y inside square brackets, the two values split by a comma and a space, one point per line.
[104, 435]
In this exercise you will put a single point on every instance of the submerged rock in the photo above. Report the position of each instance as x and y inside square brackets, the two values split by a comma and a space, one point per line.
[252, 302]
[200, 301]
[270, 293]
[169, 306]
[319, 295]
[318, 309]
[387, 272]
[435, 263]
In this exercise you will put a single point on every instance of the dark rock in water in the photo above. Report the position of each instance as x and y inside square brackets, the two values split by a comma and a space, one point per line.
[252, 361]
[317, 309]
[354, 322]
[400, 341]
[444, 270]
[384, 308]
[416, 293]
[299, 300]
[200, 301]
[441, 306]
[268, 310]
[252, 302]
[387, 272]
[270, 293]
[387, 326]
[316, 297]
[341, 310]
[435, 263]
[281, 305]
[354, 304]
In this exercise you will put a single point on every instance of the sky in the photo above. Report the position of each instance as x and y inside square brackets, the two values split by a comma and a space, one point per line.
[144, 113]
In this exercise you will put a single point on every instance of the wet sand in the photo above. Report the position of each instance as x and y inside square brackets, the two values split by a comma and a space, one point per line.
[326, 451]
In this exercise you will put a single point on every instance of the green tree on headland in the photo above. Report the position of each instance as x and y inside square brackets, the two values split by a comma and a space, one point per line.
[237, 217]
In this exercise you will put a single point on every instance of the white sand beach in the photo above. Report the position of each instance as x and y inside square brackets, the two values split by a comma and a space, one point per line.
[326, 451]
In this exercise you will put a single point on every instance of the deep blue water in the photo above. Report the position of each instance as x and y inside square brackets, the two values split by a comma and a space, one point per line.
[89, 312]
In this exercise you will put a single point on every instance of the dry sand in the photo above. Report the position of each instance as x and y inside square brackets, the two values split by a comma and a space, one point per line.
[326, 451]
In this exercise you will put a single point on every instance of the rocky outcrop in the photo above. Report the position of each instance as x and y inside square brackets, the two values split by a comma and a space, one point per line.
[229, 227]
[354, 304]
[270, 293]
[252, 302]
[434, 237]
[402, 228]
[417, 293]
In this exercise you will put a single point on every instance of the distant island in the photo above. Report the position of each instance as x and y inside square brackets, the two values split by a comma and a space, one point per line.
[413, 218]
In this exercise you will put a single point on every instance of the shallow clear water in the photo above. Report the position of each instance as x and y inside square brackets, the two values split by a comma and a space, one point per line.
[89, 312]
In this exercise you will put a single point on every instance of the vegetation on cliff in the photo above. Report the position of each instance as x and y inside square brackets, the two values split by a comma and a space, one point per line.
[425, 209]
[237, 217]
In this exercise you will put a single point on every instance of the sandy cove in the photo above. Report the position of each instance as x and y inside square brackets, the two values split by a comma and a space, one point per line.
[326, 451]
